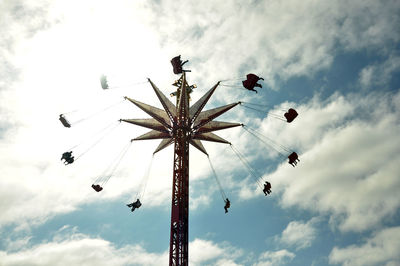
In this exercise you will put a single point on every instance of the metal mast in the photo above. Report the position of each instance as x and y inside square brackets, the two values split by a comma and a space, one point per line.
[179, 238]
[182, 126]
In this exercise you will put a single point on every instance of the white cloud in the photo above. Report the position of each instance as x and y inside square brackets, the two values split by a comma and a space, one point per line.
[79, 249]
[196, 202]
[69, 247]
[366, 76]
[270, 258]
[299, 234]
[18, 244]
[226, 262]
[380, 74]
[380, 249]
[202, 252]
[349, 160]
[287, 39]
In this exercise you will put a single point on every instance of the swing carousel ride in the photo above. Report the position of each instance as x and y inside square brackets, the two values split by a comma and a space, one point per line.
[184, 125]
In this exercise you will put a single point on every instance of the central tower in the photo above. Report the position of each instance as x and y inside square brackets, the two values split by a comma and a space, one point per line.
[182, 126]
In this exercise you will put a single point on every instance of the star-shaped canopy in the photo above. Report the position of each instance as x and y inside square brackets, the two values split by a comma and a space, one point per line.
[199, 124]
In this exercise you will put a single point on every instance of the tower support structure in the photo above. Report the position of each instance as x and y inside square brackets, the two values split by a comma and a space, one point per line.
[179, 238]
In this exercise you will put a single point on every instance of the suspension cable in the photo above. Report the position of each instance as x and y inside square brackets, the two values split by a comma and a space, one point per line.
[279, 117]
[127, 85]
[116, 163]
[98, 112]
[255, 109]
[223, 195]
[263, 105]
[252, 171]
[143, 184]
[257, 104]
[233, 79]
[70, 112]
[95, 134]
[266, 143]
[262, 136]
[147, 176]
[98, 140]
[232, 86]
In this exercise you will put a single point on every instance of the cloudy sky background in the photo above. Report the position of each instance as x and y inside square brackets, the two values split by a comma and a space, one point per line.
[337, 63]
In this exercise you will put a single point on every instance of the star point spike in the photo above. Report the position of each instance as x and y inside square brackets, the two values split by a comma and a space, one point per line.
[163, 122]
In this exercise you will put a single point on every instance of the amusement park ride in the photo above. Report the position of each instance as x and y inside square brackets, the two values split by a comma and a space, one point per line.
[181, 125]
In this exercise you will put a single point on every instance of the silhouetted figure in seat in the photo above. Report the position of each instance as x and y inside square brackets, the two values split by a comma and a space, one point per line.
[64, 121]
[104, 82]
[251, 82]
[67, 157]
[134, 205]
[267, 188]
[97, 188]
[293, 158]
[290, 115]
[177, 64]
[227, 205]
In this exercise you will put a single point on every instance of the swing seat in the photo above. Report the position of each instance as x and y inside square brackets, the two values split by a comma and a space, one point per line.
[293, 157]
[103, 82]
[64, 121]
[97, 188]
[177, 65]
[290, 115]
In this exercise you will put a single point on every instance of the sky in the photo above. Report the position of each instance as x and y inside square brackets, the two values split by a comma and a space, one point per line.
[336, 62]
